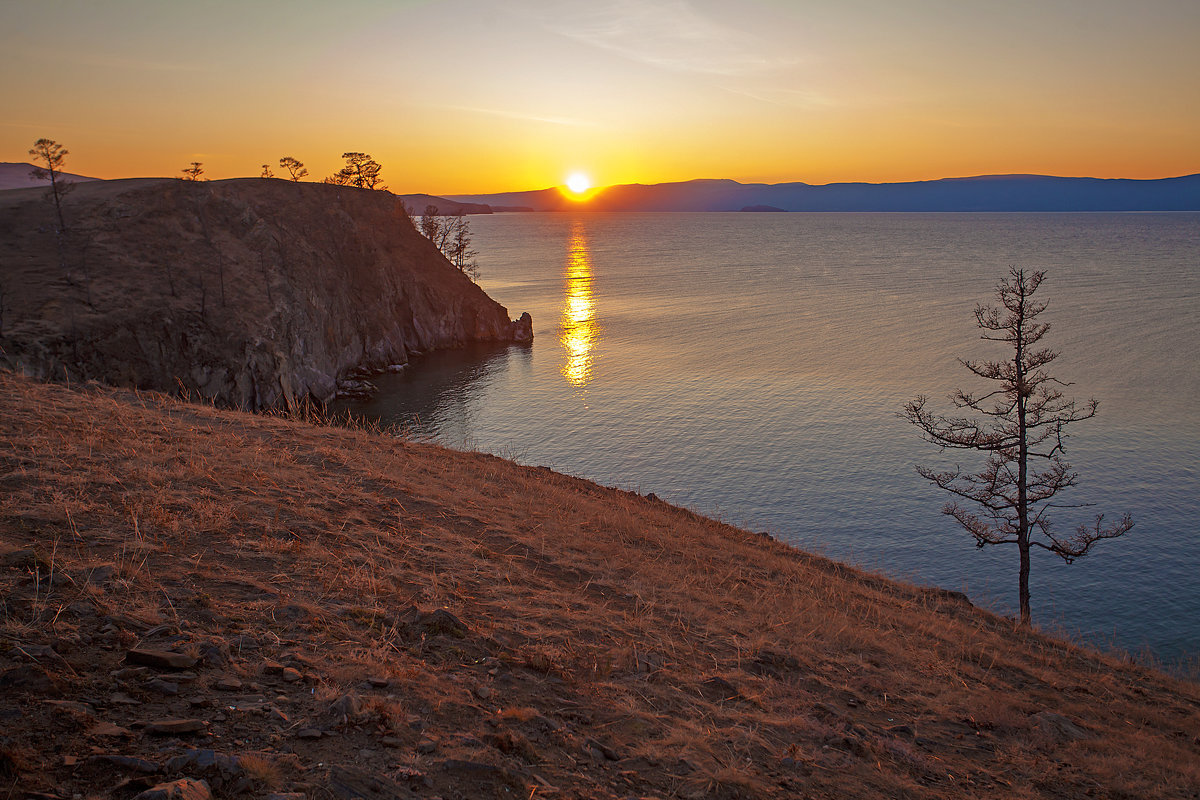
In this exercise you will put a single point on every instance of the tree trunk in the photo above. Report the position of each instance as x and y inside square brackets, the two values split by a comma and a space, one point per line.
[1023, 532]
[1023, 545]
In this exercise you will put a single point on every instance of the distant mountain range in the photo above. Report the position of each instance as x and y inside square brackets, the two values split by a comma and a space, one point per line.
[983, 193]
[16, 175]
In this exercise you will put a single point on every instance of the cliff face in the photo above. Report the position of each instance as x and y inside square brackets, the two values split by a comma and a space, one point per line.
[252, 293]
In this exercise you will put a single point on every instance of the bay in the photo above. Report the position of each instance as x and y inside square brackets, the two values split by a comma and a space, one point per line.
[752, 367]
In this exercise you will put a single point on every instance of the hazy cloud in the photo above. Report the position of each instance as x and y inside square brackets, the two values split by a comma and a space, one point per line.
[495, 112]
[670, 34]
[791, 98]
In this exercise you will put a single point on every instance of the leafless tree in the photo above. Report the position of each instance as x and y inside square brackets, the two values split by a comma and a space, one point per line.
[295, 168]
[193, 171]
[451, 234]
[432, 227]
[1021, 425]
[52, 155]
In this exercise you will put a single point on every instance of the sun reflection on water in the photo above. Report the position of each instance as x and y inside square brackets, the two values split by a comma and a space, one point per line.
[578, 331]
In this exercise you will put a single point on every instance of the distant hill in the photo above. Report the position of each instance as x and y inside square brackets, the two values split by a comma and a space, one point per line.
[982, 193]
[16, 175]
[418, 202]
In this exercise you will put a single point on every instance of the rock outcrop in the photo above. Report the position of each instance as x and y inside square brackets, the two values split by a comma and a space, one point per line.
[250, 293]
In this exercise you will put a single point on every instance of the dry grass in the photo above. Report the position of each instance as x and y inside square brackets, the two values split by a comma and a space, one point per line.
[708, 661]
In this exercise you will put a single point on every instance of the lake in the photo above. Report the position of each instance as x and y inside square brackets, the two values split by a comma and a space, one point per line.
[752, 367]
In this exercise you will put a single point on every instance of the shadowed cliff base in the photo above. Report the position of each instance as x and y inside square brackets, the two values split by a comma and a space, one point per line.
[192, 594]
[252, 293]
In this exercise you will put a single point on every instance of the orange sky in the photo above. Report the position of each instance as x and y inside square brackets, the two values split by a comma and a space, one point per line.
[458, 97]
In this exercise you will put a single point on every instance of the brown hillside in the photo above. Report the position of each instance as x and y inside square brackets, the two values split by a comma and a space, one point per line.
[253, 293]
[344, 614]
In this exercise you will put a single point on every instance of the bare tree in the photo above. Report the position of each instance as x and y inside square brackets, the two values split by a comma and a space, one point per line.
[295, 168]
[451, 234]
[433, 227]
[1023, 420]
[266, 173]
[193, 171]
[460, 253]
[52, 155]
[360, 170]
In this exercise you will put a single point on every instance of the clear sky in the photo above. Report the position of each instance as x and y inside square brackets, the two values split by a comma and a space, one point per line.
[470, 96]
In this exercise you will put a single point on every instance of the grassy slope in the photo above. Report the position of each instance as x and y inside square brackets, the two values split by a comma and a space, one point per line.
[615, 646]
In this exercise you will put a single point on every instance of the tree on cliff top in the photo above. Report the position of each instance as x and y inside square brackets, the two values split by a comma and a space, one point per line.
[1020, 424]
[294, 167]
[193, 171]
[52, 155]
[360, 170]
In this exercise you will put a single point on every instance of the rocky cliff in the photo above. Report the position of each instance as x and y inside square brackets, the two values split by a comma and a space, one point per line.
[251, 293]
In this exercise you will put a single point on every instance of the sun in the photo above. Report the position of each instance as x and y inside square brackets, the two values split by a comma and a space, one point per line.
[578, 182]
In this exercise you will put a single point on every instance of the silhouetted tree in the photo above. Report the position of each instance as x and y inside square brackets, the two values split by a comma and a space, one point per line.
[1022, 420]
[451, 234]
[432, 227]
[360, 170]
[295, 168]
[266, 173]
[460, 253]
[52, 155]
[193, 171]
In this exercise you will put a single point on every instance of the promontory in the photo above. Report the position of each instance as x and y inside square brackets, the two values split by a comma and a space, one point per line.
[250, 293]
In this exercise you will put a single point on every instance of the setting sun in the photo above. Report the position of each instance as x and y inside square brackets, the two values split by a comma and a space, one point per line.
[578, 183]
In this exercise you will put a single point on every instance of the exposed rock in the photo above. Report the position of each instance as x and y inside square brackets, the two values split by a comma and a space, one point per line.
[603, 749]
[344, 708]
[43, 654]
[129, 762]
[214, 654]
[204, 761]
[30, 678]
[440, 622]
[131, 623]
[182, 789]
[354, 784]
[72, 708]
[356, 389]
[249, 293]
[105, 728]
[174, 727]
[160, 659]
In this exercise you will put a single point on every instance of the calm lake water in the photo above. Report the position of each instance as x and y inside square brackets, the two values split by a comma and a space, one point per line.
[752, 367]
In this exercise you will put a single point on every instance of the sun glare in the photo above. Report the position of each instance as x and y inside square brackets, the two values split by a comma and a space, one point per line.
[578, 183]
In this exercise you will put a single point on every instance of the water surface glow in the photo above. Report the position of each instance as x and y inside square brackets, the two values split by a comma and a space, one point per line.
[578, 331]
